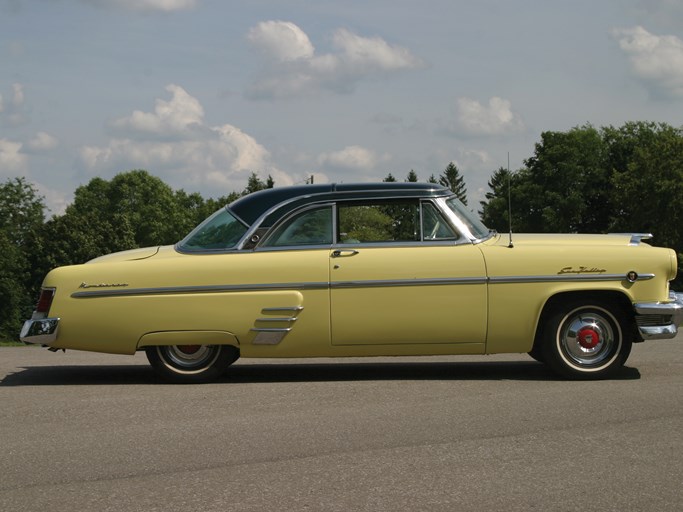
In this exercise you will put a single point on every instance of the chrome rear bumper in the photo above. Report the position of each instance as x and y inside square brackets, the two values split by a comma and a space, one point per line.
[660, 320]
[40, 331]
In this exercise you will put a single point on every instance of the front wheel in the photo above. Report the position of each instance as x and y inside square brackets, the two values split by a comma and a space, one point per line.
[586, 340]
[190, 364]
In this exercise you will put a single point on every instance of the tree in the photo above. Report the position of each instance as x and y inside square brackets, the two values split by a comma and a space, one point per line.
[626, 179]
[452, 179]
[646, 160]
[412, 177]
[254, 184]
[134, 209]
[389, 178]
[21, 217]
[494, 209]
[150, 206]
[571, 183]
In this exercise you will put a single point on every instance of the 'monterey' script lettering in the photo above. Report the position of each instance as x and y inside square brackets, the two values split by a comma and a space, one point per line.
[103, 285]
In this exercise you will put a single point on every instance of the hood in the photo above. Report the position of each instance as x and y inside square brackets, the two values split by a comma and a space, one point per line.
[133, 254]
[530, 240]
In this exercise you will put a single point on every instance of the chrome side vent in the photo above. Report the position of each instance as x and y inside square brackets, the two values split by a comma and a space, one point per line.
[270, 330]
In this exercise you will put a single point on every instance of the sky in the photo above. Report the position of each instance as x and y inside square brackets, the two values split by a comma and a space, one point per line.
[203, 92]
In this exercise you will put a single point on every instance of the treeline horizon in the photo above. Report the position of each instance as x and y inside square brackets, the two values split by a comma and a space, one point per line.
[587, 179]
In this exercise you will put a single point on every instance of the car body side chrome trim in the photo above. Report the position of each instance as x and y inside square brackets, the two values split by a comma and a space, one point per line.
[274, 335]
[269, 336]
[284, 310]
[408, 282]
[563, 278]
[171, 290]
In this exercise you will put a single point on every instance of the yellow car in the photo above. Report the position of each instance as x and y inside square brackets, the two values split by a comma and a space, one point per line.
[383, 269]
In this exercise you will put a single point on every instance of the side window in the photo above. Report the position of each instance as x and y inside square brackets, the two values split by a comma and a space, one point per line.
[385, 221]
[310, 227]
[434, 226]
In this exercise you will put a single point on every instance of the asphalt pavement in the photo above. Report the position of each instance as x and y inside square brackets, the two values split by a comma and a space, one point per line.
[83, 431]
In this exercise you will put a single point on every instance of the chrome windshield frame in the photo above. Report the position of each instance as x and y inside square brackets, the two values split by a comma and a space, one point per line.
[459, 224]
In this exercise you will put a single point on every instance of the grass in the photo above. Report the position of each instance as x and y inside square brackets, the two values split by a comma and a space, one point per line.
[7, 343]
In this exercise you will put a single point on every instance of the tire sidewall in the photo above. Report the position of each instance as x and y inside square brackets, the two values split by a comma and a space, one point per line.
[556, 356]
[220, 357]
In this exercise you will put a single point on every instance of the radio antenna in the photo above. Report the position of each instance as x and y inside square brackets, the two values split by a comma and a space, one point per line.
[510, 245]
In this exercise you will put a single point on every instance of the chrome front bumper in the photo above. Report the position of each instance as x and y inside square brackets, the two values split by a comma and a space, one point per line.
[660, 320]
[40, 331]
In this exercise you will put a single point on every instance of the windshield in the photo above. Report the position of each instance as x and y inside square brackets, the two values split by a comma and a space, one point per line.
[468, 218]
[220, 231]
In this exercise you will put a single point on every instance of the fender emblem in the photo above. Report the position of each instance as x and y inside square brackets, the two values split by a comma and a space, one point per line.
[103, 285]
[582, 270]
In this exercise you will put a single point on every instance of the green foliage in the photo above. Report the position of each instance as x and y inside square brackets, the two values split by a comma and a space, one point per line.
[412, 177]
[494, 210]
[380, 222]
[21, 217]
[452, 179]
[647, 180]
[626, 179]
[254, 184]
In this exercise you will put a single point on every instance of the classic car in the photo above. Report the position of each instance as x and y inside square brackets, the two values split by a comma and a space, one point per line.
[383, 269]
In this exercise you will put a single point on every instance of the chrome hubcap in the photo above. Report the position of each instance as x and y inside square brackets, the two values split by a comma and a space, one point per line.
[188, 358]
[588, 338]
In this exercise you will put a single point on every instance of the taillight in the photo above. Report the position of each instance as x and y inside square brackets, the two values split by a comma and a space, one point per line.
[45, 300]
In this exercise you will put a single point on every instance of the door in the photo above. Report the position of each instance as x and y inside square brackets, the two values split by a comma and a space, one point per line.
[398, 275]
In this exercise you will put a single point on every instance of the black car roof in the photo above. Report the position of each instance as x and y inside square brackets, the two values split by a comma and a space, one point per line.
[252, 206]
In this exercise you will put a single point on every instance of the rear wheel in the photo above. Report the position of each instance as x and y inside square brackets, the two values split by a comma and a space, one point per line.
[191, 363]
[537, 353]
[586, 339]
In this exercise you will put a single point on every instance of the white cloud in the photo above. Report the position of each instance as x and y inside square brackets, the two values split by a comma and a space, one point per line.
[281, 40]
[473, 118]
[657, 60]
[371, 54]
[294, 69]
[12, 160]
[42, 142]
[174, 143]
[352, 158]
[475, 159]
[177, 116]
[55, 200]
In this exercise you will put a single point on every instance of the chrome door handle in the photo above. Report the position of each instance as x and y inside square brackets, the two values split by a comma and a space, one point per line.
[338, 253]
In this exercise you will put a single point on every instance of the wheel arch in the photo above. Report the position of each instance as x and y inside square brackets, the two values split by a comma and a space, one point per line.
[160, 338]
[615, 297]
